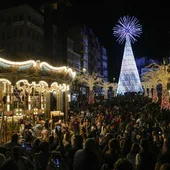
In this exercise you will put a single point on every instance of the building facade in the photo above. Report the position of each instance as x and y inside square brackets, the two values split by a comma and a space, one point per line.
[21, 32]
[93, 56]
[142, 64]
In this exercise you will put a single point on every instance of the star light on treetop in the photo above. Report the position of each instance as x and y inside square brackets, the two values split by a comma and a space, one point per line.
[127, 27]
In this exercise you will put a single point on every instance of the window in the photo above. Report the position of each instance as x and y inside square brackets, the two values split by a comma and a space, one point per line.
[3, 21]
[3, 36]
[34, 21]
[33, 35]
[8, 35]
[16, 48]
[20, 32]
[28, 33]
[29, 18]
[20, 47]
[37, 38]
[41, 38]
[38, 24]
[33, 48]
[15, 33]
[70, 43]
[15, 19]
[29, 48]
[9, 47]
[21, 17]
[9, 20]
[55, 36]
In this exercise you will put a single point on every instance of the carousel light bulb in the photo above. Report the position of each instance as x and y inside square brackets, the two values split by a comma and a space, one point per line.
[8, 107]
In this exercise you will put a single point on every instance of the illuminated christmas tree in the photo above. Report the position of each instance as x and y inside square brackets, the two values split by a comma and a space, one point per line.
[127, 30]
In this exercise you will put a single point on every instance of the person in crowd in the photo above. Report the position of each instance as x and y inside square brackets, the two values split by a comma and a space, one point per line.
[52, 144]
[41, 159]
[9, 164]
[35, 146]
[125, 146]
[3, 150]
[165, 167]
[86, 158]
[22, 162]
[165, 155]
[76, 145]
[145, 160]
[123, 164]
[112, 154]
[2, 159]
[132, 155]
[13, 142]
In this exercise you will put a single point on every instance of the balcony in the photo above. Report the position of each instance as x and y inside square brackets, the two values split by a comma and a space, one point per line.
[18, 23]
[35, 27]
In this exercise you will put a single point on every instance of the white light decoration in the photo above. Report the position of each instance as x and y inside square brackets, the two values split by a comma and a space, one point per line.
[127, 30]
[62, 87]
[66, 69]
[39, 64]
[8, 102]
[29, 102]
[41, 87]
[5, 80]
[69, 97]
[105, 86]
[18, 112]
[90, 81]
[18, 63]
[35, 111]
[7, 91]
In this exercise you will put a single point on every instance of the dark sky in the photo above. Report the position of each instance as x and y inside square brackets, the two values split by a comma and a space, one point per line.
[102, 16]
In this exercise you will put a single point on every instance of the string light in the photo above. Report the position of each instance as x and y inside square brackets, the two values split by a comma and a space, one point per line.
[69, 70]
[18, 63]
[41, 64]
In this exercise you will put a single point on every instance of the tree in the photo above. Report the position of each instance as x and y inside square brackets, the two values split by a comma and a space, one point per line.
[90, 81]
[105, 86]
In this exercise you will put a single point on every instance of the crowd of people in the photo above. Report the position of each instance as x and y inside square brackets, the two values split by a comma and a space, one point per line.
[126, 133]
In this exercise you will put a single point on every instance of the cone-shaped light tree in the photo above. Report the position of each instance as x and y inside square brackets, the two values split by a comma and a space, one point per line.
[127, 30]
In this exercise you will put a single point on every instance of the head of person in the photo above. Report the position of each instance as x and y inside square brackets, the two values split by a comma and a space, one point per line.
[37, 142]
[77, 141]
[166, 146]
[44, 146]
[51, 139]
[114, 145]
[3, 150]
[16, 153]
[14, 138]
[165, 166]
[144, 144]
[123, 164]
[9, 164]
[90, 144]
[134, 148]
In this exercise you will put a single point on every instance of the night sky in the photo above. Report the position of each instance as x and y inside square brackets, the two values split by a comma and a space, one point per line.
[102, 16]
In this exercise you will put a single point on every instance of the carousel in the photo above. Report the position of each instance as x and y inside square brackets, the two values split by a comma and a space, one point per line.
[28, 90]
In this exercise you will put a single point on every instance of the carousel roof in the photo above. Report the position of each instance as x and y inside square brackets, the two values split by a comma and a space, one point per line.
[35, 71]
